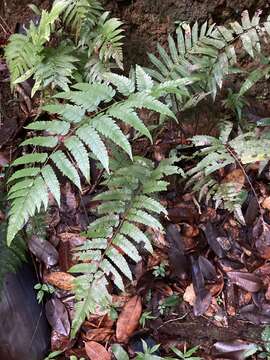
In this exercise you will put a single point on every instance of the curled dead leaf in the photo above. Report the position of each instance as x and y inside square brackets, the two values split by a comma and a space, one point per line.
[129, 318]
[246, 281]
[43, 250]
[57, 316]
[60, 280]
[96, 351]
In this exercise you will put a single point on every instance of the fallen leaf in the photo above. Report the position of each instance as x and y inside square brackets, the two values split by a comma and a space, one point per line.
[183, 213]
[203, 296]
[246, 281]
[266, 203]
[211, 237]
[101, 334]
[96, 351]
[43, 250]
[73, 239]
[4, 159]
[57, 316]
[234, 350]
[189, 295]
[208, 270]
[60, 280]
[61, 342]
[190, 231]
[252, 210]
[128, 320]
[261, 232]
[177, 258]
[255, 315]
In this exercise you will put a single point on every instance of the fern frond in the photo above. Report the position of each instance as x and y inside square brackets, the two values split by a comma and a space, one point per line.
[80, 154]
[219, 152]
[81, 14]
[208, 51]
[82, 129]
[24, 53]
[66, 167]
[56, 68]
[133, 211]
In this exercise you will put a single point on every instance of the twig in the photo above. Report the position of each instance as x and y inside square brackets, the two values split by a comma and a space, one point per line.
[172, 320]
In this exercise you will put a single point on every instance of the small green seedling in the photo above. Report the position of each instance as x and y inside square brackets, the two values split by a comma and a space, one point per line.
[53, 355]
[146, 315]
[167, 304]
[42, 290]
[159, 271]
[187, 353]
[148, 353]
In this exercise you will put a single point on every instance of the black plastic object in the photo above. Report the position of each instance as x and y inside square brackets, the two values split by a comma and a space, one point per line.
[24, 331]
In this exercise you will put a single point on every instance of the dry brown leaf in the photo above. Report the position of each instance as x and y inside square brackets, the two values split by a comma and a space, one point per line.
[189, 295]
[101, 334]
[57, 316]
[96, 351]
[245, 280]
[261, 233]
[266, 203]
[60, 280]
[129, 318]
[73, 239]
[237, 177]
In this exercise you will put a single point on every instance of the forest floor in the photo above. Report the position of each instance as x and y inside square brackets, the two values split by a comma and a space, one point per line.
[191, 291]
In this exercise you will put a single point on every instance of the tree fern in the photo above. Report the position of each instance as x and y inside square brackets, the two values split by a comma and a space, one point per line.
[82, 129]
[125, 209]
[207, 51]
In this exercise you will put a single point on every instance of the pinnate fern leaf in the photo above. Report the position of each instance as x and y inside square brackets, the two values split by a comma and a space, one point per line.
[122, 233]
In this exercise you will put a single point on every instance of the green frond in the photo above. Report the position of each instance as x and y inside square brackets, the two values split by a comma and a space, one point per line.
[126, 113]
[43, 141]
[143, 80]
[56, 69]
[122, 223]
[24, 53]
[80, 154]
[25, 206]
[68, 112]
[52, 182]
[219, 152]
[27, 172]
[56, 127]
[81, 14]
[124, 85]
[65, 166]
[92, 139]
[109, 129]
[30, 159]
[207, 51]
